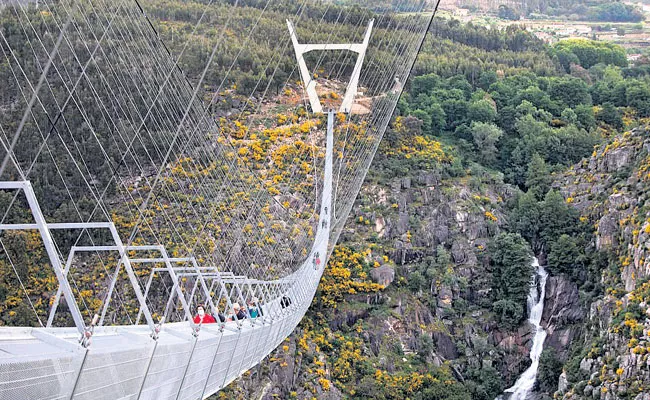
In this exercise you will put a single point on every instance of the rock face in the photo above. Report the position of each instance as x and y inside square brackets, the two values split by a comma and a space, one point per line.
[611, 187]
[562, 314]
[617, 159]
[450, 218]
[607, 233]
[612, 190]
[384, 275]
[445, 297]
[445, 346]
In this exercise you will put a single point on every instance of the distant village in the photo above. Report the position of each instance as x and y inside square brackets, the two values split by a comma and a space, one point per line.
[635, 37]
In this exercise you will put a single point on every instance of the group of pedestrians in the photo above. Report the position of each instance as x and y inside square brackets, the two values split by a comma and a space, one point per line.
[237, 313]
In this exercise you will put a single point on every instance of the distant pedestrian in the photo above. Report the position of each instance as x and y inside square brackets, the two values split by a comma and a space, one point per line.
[253, 309]
[239, 313]
[285, 302]
[203, 318]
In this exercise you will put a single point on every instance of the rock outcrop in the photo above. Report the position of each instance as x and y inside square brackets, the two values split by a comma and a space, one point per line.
[611, 190]
[563, 314]
[384, 275]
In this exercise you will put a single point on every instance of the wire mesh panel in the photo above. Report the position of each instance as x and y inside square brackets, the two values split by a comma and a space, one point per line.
[167, 368]
[46, 378]
[114, 369]
[257, 340]
[222, 362]
[199, 367]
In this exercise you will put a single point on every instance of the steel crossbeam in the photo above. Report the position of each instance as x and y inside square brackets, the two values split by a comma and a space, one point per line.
[310, 83]
[61, 273]
[216, 277]
[159, 260]
[124, 260]
[176, 289]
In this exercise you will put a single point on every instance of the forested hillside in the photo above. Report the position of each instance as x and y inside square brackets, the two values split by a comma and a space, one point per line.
[502, 148]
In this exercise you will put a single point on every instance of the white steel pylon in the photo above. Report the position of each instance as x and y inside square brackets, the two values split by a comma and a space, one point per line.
[307, 77]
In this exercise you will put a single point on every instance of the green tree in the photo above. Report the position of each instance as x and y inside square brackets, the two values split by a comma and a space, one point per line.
[525, 219]
[424, 84]
[565, 255]
[488, 78]
[550, 368]
[486, 136]
[508, 13]
[569, 91]
[557, 218]
[566, 58]
[538, 176]
[585, 116]
[590, 52]
[510, 261]
[438, 118]
[482, 111]
[416, 281]
[638, 96]
[425, 117]
[456, 112]
[425, 347]
[485, 384]
[538, 98]
[569, 116]
[610, 115]
[615, 11]
[508, 313]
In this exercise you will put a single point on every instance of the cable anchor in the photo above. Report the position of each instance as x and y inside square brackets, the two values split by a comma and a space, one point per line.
[86, 337]
[157, 328]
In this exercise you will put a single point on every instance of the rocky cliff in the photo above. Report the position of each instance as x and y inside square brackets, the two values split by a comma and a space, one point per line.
[424, 234]
[436, 227]
[610, 360]
[563, 314]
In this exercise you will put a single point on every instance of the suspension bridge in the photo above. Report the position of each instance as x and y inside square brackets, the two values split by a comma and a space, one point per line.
[130, 203]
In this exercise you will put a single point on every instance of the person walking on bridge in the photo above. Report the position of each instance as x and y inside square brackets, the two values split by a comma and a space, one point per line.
[203, 318]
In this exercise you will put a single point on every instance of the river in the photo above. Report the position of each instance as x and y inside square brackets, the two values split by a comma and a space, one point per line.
[524, 385]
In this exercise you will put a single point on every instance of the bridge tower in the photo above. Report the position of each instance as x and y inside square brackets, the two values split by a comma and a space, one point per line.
[307, 77]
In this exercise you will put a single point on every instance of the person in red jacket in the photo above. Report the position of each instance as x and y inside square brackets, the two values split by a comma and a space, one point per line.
[202, 317]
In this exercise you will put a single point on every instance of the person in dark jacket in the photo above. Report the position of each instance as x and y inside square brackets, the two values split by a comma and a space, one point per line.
[241, 314]
[285, 302]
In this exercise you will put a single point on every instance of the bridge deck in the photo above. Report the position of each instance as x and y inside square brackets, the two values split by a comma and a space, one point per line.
[125, 363]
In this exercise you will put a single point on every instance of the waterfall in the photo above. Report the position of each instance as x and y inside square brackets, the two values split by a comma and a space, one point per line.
[526, 381]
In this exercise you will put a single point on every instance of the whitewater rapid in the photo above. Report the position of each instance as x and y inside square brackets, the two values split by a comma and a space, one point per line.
[524, 385]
